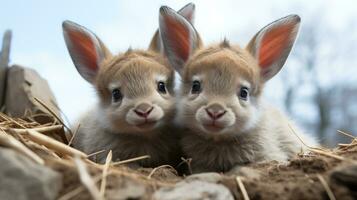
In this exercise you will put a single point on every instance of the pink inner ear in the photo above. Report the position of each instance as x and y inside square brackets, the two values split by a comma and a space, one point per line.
[188, 16]
[179, 37]
[273, 44]
[83, 45]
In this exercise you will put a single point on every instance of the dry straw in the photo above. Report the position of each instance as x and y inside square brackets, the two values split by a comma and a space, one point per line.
[78, 190]
[35, 141]
[86, 179]
[322, 151]
[105, 174]
[242, 188]
[326, 187]
[159, 167]
[130, 160]
[9, 141]
[55, 145]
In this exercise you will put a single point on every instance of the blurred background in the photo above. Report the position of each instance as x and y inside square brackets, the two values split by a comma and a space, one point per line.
[317, 87]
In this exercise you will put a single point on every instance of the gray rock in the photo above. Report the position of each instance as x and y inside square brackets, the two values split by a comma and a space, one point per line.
[128, 190]
[22, 179]
[210, 177]
[4, 62]
[23, 85]
[194, 190]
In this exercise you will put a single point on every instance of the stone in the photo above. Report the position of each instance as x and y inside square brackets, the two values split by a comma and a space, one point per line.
[4, 62]
[25, 84]
[128, 189]
[210, 177]
[23, 179]
[194, 190]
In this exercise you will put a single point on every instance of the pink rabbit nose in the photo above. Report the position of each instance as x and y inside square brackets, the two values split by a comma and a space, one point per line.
[143, 110]
[215, 111]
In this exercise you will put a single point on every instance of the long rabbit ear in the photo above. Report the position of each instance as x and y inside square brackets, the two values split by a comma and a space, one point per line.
[271, 46]
[85, 48]
[179, 37]
[188, 12]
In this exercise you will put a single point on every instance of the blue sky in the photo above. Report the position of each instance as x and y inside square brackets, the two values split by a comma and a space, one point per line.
[38, 42]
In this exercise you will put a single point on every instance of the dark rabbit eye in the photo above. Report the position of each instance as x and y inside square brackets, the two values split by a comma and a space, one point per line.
[116, 95]
[161, 87]
[244, 93]
[196, 87]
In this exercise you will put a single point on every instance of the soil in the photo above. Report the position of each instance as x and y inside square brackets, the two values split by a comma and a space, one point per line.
[296, 179]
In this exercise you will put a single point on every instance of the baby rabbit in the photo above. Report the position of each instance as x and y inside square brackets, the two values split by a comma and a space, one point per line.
[220, 102]
[136, 103]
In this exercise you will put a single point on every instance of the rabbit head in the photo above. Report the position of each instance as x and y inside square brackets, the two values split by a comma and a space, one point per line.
[135, 88]
[222, 84]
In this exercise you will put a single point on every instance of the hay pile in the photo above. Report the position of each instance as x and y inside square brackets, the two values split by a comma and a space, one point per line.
[321, 174]
[80, 175]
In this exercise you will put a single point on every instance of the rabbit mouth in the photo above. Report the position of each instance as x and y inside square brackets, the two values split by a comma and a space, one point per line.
[145, 125]
[213, 127]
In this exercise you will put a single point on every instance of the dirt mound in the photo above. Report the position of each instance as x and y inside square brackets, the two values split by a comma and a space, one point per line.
[320, 174]
[311, 176]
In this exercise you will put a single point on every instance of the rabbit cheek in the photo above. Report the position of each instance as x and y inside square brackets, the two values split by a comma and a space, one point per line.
[246, 117]
[114, 118]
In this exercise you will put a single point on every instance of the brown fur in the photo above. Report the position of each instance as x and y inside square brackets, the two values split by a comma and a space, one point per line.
[224, 128]
[230, 59]
[134, 66]
[223, 69]
[114, 124]
[139, 123]
[105, 126]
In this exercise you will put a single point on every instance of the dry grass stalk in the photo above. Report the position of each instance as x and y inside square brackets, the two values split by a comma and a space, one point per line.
[71, 194]
[53, 144]
[159, 167]
[188, 162]
[130, 160]
[242, 188]
[301, 140]
[347, 146]
[38, 129]
[117, 172]
[320, 150]
[343, 145]
[347, 134]
[327, 188]
[96, 153]
[86, 179]
[105, 173]
[9, 141]
[38, 147]
[328, 154]
[54, 114]
[61, 112]
[74, 135]
[9, 119]
[16, 127]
